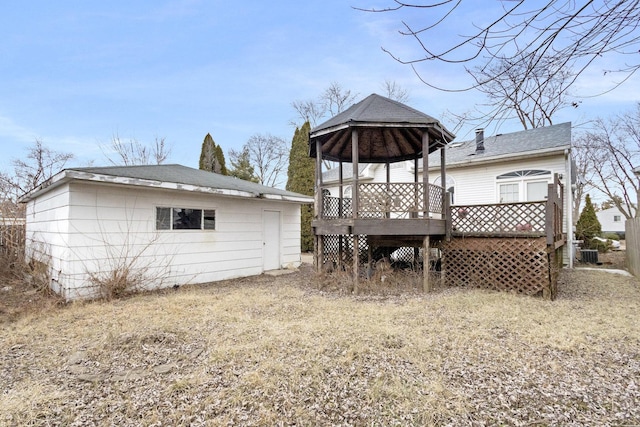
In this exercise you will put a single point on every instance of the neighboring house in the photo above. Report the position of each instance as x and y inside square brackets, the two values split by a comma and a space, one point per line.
[512, 167]
[611, 220]
[173, 224]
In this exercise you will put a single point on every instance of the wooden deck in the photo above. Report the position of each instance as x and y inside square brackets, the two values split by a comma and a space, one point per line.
[506, 246]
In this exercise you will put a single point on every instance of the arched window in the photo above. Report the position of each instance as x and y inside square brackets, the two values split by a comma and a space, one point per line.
[347, 192]
[523, 186]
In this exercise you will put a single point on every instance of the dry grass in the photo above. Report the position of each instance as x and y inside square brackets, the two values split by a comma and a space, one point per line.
[279, 351]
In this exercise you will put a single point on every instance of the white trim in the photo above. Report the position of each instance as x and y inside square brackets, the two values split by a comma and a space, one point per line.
[69, 175]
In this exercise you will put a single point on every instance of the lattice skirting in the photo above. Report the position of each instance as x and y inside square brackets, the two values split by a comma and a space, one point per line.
[523, 265]
[338, 250]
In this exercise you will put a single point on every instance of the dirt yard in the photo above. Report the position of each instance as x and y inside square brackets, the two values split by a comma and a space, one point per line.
[280, 351]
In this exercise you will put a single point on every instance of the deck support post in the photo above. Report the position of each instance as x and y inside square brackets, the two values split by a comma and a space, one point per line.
[356, 259]
[319, 252]
[370, 266]
[426, 284]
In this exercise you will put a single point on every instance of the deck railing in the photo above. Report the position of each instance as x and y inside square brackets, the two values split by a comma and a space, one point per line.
[540, 218]
[499, 218]
[382, 200]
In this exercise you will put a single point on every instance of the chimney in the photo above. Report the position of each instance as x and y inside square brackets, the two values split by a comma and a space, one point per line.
[479, 141]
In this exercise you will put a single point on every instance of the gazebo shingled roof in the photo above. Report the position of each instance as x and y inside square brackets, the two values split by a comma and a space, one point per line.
[388, 131]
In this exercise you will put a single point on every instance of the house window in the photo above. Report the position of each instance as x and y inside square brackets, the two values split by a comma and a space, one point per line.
[509, 193]
[523, 186]
[185, 219]
[617, 218]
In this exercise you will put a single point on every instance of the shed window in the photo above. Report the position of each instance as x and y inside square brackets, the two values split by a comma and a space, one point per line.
[617, 218]
[185, 219]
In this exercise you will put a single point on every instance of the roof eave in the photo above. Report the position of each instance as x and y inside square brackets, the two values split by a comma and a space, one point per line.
[69, 175]
[436, 125]
[286, 198]
[508, 156]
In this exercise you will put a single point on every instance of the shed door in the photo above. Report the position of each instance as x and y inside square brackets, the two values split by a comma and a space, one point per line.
[271, 240]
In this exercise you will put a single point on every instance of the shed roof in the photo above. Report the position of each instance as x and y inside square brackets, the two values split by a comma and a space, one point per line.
[175, 177]
[388, 131]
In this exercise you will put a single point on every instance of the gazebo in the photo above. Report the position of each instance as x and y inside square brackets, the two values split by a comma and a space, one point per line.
[406, 214]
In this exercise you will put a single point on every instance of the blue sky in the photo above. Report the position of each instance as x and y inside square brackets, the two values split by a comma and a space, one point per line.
[75, 73]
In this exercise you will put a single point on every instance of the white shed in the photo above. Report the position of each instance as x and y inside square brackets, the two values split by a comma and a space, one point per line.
[166, 225]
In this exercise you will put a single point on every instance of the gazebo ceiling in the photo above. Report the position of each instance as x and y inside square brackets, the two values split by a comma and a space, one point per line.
[388, 131]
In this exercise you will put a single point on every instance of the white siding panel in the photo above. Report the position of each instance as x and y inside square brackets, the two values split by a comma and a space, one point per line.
[478, 184]
[47, 231]
[97, 227]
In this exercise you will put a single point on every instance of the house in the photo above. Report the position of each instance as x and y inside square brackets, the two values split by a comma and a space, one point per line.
[505, 168]
[611, 220]
[165, 224]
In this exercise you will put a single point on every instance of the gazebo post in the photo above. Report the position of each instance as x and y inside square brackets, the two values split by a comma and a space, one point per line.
[340, 215]
[443, 179]
[354, 205]
[446, 214]
[388, 177]
[425, 184]
[319, 243]
[425, 173]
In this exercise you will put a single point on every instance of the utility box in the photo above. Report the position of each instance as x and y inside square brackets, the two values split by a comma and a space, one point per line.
[589, 255]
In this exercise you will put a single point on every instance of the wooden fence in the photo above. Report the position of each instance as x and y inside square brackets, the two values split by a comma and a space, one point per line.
[12, 238]
[632, 237]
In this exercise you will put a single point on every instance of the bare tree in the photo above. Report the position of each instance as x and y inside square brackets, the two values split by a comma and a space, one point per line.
[394, 91]
[570, 34]
[523, 90]
[335, 99]
[133, 152]
[584, 170]
[268, 155]
[40, 164]
[308, 111]
[614, 149]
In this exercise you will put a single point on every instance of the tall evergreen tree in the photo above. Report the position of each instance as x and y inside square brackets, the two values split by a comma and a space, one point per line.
[300, 178]
[588, 225]
[207, 154]
[242, 168]
[220, 163]
[212, 157]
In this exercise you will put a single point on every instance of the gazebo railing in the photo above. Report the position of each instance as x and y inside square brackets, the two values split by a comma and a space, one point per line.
[382, 200]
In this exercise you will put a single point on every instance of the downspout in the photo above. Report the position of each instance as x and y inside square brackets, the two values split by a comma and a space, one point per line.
[569, 198]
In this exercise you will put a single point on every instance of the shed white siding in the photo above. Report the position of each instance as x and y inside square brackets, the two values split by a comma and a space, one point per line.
[98, 227]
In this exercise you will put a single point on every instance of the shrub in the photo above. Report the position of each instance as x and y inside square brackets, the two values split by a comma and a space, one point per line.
[611, 236]
[588, 225]
[602, 247]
